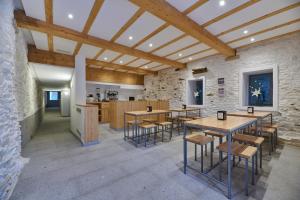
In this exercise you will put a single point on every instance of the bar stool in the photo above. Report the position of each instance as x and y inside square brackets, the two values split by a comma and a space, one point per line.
[268, 133]
[165, 127]
[146, 131]
[274, 126]
[201, 140]
[244, 151]
[251, 140]
[132, 124]
[214, 134]
[181, 121]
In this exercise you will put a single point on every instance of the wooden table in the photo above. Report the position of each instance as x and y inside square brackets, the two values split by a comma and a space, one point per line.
[141, 113]
[260, 115]
[226, 127]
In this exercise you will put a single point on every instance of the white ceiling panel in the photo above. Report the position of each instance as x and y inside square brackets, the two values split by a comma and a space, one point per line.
[257, 10]
[64, 46]
[138, 62]
[200, 55]
[52, 74]
[264, 24]
[160, 68]
[79, 10]
[35, 9]
[124, 59]
[211, 10]
[189, 51]
[269, 34]
[112, 16]
[176, 46]
[182, 5]
[161, 38]
[40, 40]
[110, 55]
[88, 51]
[142, 27]
[153, 64]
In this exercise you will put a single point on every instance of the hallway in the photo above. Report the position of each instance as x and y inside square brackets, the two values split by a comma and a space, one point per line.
[61, 169]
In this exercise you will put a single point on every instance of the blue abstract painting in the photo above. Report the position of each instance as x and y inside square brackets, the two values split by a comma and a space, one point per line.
[261, 89]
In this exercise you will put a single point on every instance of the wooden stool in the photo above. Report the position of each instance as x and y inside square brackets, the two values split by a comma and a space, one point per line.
[181, 121]
[165, 127]
[214, 134]
[146, 131]
[133, 124]
[201, 140]
[243, 151]
[269, 133]
[251, 140]
[275, 126]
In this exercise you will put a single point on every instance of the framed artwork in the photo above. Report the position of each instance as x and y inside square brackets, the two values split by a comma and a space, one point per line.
[221, 92]
[221, 81]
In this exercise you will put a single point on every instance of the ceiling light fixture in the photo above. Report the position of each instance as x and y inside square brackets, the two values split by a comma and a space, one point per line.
[190, 58]
[180, 54]
[222, 3]
[121, 61]
[146, 67]
[245, 31]
[130, 37]
[70, 16]
[252, 39]
[105, 58]
[150, 45]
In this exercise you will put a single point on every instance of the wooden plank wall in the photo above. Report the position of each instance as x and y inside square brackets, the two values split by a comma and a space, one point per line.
[109, 76]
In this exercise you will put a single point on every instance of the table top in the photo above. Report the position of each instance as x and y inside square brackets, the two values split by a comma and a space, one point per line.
[256, 114]
[184, 110]
[144, 112]
[232, 123]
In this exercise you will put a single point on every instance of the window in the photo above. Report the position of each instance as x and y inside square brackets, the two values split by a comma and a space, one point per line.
[195, 91]
[53, 96]
[259, 88]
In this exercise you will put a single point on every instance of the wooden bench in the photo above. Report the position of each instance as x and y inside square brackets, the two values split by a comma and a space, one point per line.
[201, 140]
[244, 151]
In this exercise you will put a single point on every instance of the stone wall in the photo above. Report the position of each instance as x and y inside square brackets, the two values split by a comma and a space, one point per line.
[28, 92]
[284, 52]
[10, 134]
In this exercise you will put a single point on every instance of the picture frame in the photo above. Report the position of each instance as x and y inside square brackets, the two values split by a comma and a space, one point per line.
[221, 115]
[221, 81]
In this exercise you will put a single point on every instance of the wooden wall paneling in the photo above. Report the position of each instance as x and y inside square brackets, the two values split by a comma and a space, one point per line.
[100, 75]
[91, 129]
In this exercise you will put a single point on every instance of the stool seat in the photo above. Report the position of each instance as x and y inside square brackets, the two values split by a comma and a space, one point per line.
[164, 123]
[150, 120]
[133, 122]
[236, 148]
[214, 133]
[185, 119]
[268, 130]
[248, 152]
[248, 139]
[269, 125]
[148, 125]
[199, 139]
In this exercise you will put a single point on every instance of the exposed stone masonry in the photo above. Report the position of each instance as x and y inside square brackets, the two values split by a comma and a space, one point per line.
[285, 53]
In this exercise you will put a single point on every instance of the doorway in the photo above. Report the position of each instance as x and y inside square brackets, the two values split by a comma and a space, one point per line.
[53, 99]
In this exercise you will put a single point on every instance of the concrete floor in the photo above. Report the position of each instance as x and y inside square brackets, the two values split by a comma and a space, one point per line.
[61, 169]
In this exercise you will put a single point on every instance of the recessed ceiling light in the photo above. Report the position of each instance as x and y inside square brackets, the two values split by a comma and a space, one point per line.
[180, 54]
[146, 67]
[222, 3]
[105, 58]
[130, 37]
[245, 31]
[121, 61]
[150, 45]
[190, 58]
[70, 16]
[252, 39]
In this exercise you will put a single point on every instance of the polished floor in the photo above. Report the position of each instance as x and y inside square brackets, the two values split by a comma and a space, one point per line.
[60, 169]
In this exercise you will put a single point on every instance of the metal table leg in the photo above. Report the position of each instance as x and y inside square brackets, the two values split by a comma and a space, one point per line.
[185, 151]
[229, 165]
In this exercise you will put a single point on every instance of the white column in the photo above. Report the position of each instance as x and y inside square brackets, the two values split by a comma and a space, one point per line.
[80, 77]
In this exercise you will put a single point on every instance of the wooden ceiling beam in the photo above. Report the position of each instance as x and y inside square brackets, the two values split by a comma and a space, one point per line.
[49, 19]
[58, 59]
[37, 25]
[171, 15]
[94, 12]
[194, 6]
